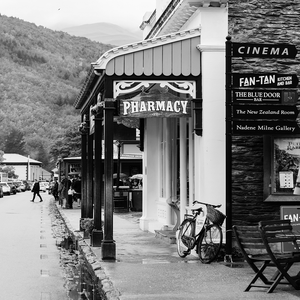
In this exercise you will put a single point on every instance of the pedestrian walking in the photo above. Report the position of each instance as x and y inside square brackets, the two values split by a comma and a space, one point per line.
[36, 190]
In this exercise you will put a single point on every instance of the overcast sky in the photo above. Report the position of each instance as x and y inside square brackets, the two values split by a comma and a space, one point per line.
[60, 14]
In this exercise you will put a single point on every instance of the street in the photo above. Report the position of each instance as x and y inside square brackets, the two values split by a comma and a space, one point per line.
[29, 257]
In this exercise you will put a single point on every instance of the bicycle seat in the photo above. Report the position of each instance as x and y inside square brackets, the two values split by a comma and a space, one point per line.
[213, 205]
[197, 209]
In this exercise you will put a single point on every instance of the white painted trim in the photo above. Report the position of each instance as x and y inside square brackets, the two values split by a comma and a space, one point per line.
[211, 48]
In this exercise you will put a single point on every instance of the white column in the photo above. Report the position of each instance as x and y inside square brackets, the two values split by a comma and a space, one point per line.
[168, 194]
[191, 162]
[183, 168]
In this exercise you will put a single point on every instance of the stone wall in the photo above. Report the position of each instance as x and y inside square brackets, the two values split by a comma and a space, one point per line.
[258, 21]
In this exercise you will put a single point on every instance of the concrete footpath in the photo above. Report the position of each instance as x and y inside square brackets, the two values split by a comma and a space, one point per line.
[149, 268]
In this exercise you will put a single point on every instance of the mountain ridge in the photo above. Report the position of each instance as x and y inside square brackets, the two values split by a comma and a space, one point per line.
[106, 33]
[41, 74]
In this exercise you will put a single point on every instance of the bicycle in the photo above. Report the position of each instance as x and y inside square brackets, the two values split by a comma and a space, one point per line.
[208, 240]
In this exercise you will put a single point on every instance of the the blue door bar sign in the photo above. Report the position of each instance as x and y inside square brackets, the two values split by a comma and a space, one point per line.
[271, 80]
[263, 50]
[256, 96]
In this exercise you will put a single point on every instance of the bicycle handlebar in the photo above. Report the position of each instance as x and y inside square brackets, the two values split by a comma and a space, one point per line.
[215, 206]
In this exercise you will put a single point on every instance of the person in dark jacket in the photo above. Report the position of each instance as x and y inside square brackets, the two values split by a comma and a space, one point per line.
[36, 190]
[55, 189]
[76, 186]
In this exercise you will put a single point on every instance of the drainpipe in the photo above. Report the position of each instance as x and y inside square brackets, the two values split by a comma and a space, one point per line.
[228, 152]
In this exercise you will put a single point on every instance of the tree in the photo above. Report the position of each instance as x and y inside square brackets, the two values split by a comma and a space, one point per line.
[14, 142]
[9, 170]
[66, 145]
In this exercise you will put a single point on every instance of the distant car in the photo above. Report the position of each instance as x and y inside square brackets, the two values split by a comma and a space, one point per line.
[44, 186]
[1, 192]
[13, 188]
[5, 188]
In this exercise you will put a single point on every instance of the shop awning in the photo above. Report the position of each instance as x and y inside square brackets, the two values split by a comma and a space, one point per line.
[173, 54]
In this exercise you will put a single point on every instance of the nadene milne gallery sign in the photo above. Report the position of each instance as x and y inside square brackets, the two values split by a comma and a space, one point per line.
[168, 108]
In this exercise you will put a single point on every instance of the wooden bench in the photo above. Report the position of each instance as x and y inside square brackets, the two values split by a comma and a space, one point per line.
[253, 249]
[272, 233]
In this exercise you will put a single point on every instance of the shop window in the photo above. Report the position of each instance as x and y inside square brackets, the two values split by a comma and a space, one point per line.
[282, 177]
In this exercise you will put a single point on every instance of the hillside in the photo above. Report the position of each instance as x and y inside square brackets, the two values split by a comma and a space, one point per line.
[41, 74]
[105, 33]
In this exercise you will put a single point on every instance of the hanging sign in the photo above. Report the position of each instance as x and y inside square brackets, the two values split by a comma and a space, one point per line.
[168, 108]
[265, 127]
[279, 112]
[264, 96]
[264, 50]
[273, 80]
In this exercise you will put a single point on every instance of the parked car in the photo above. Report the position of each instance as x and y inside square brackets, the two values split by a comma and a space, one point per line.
[20, 186]
[13, 188]
[5, 188]
[1, 192]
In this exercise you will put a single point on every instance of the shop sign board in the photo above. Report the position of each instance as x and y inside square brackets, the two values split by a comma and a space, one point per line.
[271, 80]
[264, 96]
[290, 213]
[264, 50]
[260, 127]
[168, 108]
[260, 111]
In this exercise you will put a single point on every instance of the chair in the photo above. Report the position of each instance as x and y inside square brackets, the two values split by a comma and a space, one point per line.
[253, 249]
[272, 233]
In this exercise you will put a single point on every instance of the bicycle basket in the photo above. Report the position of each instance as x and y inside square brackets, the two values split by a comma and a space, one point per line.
[215, 216]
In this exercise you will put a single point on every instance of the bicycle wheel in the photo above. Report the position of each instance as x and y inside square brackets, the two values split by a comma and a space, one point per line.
[210, 243]
[185, 239]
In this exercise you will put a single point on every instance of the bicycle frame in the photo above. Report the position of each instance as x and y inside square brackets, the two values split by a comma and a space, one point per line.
[193, 219]
[207, 239]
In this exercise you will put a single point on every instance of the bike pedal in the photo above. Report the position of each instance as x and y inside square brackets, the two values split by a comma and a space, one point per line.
[187, 252]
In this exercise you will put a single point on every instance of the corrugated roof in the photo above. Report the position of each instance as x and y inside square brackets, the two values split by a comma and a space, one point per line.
[173, 54]
[17, 158]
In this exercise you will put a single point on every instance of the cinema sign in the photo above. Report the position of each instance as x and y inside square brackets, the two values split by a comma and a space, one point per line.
[147, 108]
[264, 50]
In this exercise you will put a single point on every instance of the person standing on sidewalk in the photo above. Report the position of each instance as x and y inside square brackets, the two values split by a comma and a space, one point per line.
[55, 189]
[36, 190]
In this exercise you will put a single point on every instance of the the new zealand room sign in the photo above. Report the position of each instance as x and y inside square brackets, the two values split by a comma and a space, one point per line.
[147, 105]
[247, 80]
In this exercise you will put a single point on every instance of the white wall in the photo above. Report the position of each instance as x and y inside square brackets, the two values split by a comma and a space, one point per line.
[210, 148]
[151, 172]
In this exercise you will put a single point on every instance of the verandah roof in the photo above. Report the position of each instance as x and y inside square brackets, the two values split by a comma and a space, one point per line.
[174, 54]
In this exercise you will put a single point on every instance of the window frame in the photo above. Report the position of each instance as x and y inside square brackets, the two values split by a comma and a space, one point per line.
[269, 164]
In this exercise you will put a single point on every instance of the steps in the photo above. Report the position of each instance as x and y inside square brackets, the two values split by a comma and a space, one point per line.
[168, 236]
